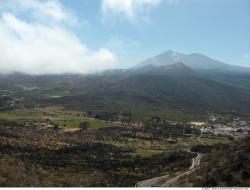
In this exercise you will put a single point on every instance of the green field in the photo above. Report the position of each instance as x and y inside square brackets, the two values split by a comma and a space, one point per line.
[55, 114]
[19, 115]
[74, 123]
[215, 140]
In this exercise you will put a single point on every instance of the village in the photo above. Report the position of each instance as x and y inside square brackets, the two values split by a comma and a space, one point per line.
[215, 125]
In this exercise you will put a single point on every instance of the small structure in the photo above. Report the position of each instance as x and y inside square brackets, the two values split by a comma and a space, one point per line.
[214, 117]
[197, 124]
[156, 119]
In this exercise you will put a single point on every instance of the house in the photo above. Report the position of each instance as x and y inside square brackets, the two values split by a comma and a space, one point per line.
[212, 118]
[205, 131]
[215, 117]
[197, 124]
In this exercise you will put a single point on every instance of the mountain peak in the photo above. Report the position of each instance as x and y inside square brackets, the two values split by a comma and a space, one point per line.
[195, 61]
[166, 58]
[179, 64]
[171, 52]
[177, 69]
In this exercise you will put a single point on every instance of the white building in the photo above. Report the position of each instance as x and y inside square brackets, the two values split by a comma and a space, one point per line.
[197, 124]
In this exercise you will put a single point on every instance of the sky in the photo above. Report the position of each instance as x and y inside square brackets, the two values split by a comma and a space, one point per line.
[84, 36]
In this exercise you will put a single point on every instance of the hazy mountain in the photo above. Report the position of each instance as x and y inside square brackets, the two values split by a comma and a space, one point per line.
[168, 87]
[195, 61]
[177, 69]
[156, 84]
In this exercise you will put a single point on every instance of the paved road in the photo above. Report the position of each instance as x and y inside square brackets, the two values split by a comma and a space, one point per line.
[196, 161]
[154, 182]
[174, 180]
[195, 164]
[157, 181]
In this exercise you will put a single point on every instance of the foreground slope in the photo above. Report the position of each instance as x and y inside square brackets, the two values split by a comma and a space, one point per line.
[228, 166]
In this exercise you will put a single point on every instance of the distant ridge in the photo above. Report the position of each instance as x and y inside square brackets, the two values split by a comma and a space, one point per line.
[176, 69]
[170, 81]
[195, 61]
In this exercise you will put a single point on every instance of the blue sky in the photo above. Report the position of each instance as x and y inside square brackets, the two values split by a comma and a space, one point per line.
[121, 33]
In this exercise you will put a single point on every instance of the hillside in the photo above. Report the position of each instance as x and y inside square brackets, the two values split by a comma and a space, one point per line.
[38, 155]
[167, 84]
[174, 87]
[227, 167]
[195, 61]
[143, 91]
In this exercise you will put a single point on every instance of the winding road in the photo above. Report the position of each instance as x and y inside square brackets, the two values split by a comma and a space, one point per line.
[196, 161]
[164, 181]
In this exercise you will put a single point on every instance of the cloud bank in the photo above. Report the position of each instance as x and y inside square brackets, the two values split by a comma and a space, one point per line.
[36, 37]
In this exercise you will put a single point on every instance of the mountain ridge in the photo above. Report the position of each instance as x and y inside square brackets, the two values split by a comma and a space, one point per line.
[195, 61]
[170, 86]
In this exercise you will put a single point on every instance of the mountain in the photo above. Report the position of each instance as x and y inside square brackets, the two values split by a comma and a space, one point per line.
[176, 69]
[156, 86]
[195, 61]
[160, 89]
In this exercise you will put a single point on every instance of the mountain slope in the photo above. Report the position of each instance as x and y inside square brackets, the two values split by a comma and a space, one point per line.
[171, 87]
[155, 89]
[197, 62]
[177, 69]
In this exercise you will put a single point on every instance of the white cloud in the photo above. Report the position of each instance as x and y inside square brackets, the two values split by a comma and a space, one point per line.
[36, 46]
[131, 9]
[40, 10]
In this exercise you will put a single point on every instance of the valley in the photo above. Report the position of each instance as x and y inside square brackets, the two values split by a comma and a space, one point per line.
[125, 94]
[52, 145]
[146, 126]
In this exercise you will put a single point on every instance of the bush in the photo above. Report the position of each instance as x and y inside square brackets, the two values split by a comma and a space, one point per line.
[84, 125]
[202, 148]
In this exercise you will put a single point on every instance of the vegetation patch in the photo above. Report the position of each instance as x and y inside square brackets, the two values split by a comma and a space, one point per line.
[215, 140]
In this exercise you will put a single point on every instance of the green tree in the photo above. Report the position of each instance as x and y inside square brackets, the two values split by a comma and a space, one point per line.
[84, 125]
